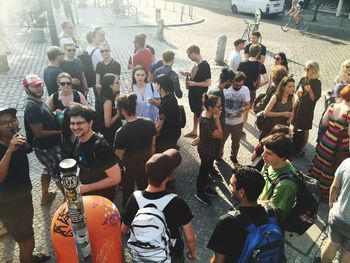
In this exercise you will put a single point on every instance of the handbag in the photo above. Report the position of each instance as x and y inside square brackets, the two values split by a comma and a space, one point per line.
[261, 120]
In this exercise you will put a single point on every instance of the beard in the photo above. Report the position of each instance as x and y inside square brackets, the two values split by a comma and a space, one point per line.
[33, 94]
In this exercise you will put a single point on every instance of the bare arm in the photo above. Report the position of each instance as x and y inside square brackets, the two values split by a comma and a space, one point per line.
[160, 122]
[40, 133]
[85, 85]
[119, 153]
[153, 145]
[50, 103]
[262, 59]
[268, 110]
[218, 258]
[203, 84]
[83, 99]
[98, 80]
[217, 134]
[108, 119]
[265, 80]
[246, 57]
[325, 121]
[113, 178]
[334, 191]
[190, 240]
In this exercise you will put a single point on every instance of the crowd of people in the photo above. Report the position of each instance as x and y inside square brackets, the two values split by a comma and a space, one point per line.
[132, 138]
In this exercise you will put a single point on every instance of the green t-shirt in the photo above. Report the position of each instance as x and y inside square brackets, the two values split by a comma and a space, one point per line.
[284, 194]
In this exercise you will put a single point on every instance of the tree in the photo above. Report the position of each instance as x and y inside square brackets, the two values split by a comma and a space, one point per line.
[317, 5]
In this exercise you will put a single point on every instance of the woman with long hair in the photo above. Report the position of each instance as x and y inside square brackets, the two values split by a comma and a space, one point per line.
[210, 135]
[343, 76]
[308, 92]
[281, 59]
[280, 108]
[333, 147]
[134, 144]
[148, 98]
[110, 119]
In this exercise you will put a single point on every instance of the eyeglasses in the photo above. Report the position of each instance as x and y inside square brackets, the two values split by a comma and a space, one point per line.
[104, 50]
[78, 123]
[9, 123]
[277, 58]
[66, 83]
[306, 69]
[71, 50]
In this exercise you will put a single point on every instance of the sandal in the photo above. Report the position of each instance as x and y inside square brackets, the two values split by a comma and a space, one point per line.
[49, 199]
[301, 153]
[40, 257]
[195, 142]
[190, 135]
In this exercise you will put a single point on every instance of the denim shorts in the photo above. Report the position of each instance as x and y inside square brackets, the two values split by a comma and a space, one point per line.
[339, 232]
[50, 159]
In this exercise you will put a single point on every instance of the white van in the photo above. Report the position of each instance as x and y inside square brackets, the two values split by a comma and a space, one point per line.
[267, 7]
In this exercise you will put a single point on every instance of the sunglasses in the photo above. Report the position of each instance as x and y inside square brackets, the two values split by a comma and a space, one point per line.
[306, 69]
[65, 83]
[277, 58]
[71, 50]
[347, 66]
[104, 50]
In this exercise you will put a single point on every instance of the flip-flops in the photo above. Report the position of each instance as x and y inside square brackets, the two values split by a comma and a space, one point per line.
[40, 257]
[49, 199]
[195, 142]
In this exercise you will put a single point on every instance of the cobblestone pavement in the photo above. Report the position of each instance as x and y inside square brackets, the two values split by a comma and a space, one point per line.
[324, 45]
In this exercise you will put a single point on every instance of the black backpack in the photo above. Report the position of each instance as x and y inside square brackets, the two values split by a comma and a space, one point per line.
[304, 211]
[29, 132]
[89, 71]
[263, 99]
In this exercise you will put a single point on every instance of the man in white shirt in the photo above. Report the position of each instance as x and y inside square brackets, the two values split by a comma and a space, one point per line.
[93, 48]
[237, 101]
[235, 56]
[67, 35]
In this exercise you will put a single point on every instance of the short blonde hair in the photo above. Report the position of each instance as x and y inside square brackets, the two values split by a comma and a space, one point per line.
[63, 75]
[69, 44]
[343, 66]
[314, 67]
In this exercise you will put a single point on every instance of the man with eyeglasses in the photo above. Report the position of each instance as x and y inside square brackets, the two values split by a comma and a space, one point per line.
[74, 67]
[237, 101]
[99, 168]
[16, 207]
[108, 65]
[55, 55]
[45, 134]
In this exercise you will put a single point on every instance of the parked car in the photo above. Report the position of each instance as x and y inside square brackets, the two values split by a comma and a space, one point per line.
[267, 7]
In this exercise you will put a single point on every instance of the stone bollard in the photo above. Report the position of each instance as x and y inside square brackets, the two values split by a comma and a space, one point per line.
[37, 35]
[160, 29]
[158, 14]
[220, 50]
[4, 65]
[182, 13]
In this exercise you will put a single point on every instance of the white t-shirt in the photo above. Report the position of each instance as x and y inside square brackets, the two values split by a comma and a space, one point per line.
[96, 56]
[233, 60]
[234, 101]
[65, 39]
[341, 208]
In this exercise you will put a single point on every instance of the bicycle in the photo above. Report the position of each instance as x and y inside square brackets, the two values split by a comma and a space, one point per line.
[302, 26]
[252, 27]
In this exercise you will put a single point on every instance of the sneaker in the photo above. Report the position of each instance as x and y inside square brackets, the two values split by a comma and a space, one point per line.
[219, 160]
[202, 197]
[211, 192]
[215, 173]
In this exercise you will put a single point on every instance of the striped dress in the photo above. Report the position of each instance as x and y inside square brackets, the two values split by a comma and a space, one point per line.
[331, 151]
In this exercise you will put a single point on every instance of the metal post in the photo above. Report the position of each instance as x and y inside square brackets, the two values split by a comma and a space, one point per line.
[70, 181]
[164, 5]
[182, 13]
[173, 6]
[191, 13]
[52, 24]
[160, 29]
[137, 15]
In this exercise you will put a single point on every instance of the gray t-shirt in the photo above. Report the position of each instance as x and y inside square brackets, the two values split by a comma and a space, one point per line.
[341, 208]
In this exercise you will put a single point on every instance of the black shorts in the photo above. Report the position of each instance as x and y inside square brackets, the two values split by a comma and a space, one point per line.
[195, 101]
[18, 218]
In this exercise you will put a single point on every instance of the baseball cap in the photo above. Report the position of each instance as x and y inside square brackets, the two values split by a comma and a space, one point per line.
[31, 80]
[163, 164]
[238, 41]
[4, 110]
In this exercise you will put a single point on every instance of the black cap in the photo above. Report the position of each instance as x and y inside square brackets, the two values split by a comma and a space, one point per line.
[4, 110]
[238, 41]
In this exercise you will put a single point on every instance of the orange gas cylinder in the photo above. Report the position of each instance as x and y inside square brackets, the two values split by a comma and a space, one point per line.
[103, 223]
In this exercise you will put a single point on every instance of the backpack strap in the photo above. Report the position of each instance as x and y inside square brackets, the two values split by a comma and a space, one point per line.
[76, 96]
[271, 214]
[160, 203]
[92, 52]
[243, 220]
[281, 177]
[152, 89]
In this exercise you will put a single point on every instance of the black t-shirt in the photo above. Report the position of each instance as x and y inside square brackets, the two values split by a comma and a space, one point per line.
[169, 110]
[36, 112]
[74, 68]
[112, 67]
[50, 78]
[203, 73]
[17, 182]
[94, 157]
[109, 133]
[177, 213]
[136, 139]
[208, 146]
[262, 52]
[229, 236]
[57, 103]
[252, 70]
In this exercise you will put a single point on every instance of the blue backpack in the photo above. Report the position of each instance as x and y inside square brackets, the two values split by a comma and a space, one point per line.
[264, 243]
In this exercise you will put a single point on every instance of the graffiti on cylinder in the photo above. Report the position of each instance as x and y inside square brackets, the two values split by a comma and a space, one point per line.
[62, 226]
